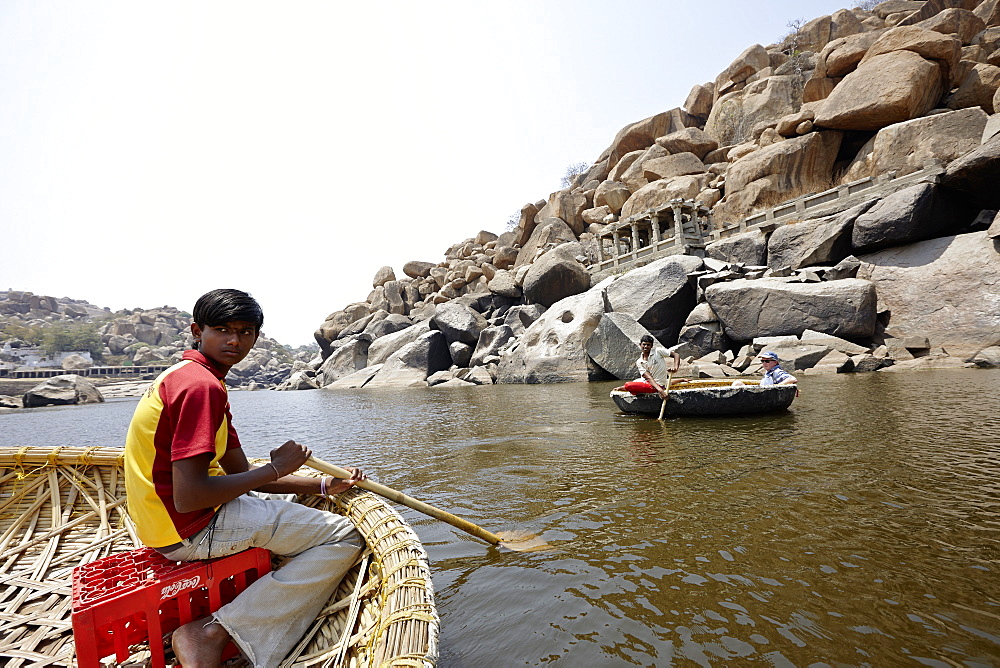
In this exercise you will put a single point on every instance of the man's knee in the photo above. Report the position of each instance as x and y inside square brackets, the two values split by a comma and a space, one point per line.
[355, 539]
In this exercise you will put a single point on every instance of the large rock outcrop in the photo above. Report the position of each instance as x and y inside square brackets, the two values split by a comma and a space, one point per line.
[380, 349]
[775, 307]
[734, 115]
[555, 275]
[413, 363]
[818, 241]
[902, 76]
[458, 322]
[554, 348]
[974, 176]
[977, 88]
[689, 140]
[519, 318]
[614, 345]
[612, 194]
[791, 164]
[658, 296]
[549, 231]
[658, 193]
[349, 357]
[641, 134]
[63, 390]
[947, 290]
[702, 333]
[567, 206]
[911, 145]
[747, 247]
[881, 93]
[913, 214]
[490, 344]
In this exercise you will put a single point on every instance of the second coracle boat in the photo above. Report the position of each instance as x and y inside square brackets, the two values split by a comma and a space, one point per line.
[709, 397]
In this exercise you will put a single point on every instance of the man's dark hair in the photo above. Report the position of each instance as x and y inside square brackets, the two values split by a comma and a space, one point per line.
[226, 305]
[646, 338]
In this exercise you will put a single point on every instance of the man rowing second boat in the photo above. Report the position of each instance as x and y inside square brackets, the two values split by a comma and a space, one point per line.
[653, 368]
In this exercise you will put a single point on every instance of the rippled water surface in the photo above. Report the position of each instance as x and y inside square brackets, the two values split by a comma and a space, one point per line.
[859, 528]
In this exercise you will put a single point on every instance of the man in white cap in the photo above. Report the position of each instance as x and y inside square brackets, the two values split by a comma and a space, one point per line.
[773, 373]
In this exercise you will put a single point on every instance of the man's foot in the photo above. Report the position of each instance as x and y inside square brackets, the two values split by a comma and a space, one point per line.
[199, 644]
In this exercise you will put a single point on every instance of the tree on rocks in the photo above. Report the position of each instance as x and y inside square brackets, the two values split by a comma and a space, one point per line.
[573, 170]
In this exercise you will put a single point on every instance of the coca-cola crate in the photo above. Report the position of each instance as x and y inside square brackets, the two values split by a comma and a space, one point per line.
[138, 596]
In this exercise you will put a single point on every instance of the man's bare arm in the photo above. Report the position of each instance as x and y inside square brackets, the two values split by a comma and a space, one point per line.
[648, 377]
[195, 489]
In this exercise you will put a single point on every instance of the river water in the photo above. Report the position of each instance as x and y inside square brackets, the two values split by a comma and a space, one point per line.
[861, 527]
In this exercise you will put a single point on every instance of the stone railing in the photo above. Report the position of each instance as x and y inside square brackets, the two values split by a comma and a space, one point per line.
[685, 227]
[828, 201]
[674, 228]
[112, 371]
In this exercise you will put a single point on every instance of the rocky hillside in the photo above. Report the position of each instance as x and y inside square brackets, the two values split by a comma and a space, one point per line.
[906, 276]
[136, 336]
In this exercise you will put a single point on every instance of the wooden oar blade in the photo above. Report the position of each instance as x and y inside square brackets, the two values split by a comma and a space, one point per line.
[522, 541]
[518, 542]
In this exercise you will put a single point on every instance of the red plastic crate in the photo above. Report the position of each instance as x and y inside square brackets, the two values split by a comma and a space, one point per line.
[138, 596]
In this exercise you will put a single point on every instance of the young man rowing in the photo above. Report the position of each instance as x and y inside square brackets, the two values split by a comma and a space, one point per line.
[187, 480]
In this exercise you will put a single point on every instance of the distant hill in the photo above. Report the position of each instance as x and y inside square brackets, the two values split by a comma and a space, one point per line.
[130, 336]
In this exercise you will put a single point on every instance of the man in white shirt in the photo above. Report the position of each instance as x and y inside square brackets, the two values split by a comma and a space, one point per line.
[652, 366]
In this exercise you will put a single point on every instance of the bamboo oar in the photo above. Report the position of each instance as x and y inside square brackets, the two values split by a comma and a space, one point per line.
[512, 540]
[663, 406]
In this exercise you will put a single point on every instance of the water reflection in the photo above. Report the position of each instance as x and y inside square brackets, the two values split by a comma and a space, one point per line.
[859, 528]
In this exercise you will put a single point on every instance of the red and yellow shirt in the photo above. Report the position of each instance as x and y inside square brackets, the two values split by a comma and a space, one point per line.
[184, 413]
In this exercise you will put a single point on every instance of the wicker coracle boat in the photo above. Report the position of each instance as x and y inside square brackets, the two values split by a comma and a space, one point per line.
[709, 397]
[63, 507]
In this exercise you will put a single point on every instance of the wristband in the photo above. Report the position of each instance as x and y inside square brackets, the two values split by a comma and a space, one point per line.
[322, 486]
[276, 474]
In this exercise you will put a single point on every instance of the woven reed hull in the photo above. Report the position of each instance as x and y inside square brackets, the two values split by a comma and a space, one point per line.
[63, 507]
[709, 398]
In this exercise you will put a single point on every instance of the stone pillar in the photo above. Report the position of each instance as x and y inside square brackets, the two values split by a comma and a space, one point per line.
[704, 226]
[655, 222]
[600, 248]
[635, 239]
[615, 249]
[678, 224]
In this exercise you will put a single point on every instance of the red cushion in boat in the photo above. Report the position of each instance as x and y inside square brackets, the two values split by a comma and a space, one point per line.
[639, 387]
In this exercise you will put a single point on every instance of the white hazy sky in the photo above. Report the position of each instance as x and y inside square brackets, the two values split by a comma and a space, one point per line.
[150, 152]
